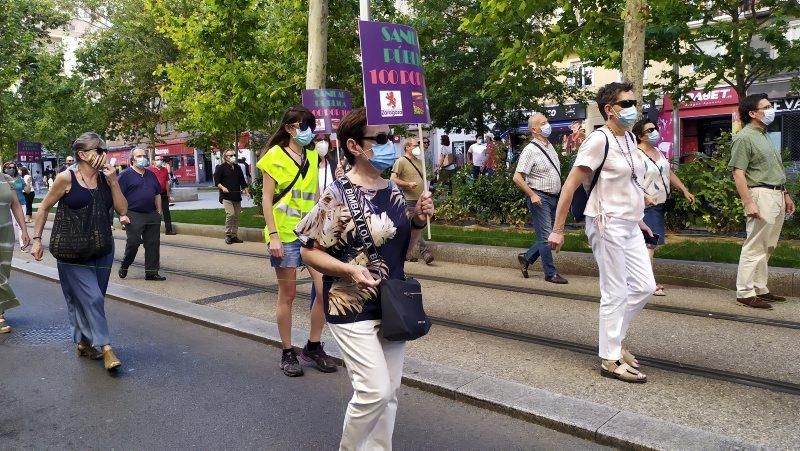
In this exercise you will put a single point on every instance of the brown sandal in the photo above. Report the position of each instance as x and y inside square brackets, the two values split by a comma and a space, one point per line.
[621, 371]
[4, 327]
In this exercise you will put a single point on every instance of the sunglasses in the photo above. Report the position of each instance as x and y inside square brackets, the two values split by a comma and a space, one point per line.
[651, 129]
[625, 103]
[380, 138]
[303, 126]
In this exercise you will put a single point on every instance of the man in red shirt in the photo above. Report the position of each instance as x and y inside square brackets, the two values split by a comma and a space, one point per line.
[162, 174]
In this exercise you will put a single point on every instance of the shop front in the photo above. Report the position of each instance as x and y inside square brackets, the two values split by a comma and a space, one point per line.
[187, 163]
[704, 116]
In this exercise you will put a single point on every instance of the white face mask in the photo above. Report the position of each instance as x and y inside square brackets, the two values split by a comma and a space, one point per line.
[546, 129]
[769, 116]
[321, 147]
[416, 152]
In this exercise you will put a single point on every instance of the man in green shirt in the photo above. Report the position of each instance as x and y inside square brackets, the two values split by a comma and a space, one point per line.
[760, 179]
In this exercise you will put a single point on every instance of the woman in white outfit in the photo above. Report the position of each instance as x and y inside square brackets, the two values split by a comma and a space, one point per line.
[614, 225]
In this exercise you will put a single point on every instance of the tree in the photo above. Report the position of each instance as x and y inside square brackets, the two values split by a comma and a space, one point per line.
[633, 47]
[733, 42]
[317, 43]
[25, 25]
[123, 68]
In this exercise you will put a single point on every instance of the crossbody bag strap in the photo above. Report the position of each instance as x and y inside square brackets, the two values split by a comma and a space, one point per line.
[355, 203]
[303, 167]
[414, 166]
[666, 187]
[558, 170]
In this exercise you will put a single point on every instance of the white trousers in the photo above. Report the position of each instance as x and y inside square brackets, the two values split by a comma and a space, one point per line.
[375, 368]
[762, 237]
[626, 279]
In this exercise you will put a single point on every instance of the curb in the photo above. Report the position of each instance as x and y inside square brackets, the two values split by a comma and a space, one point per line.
[782, 281]
[593, 421]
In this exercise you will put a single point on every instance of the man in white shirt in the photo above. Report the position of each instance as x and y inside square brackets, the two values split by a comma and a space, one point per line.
[476, 155]
[538, 175]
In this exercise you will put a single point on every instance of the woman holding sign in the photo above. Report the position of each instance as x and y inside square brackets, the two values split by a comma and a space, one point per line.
[290, 191]
[350, 290]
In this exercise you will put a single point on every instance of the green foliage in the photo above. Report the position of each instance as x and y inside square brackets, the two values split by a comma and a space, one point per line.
[491, 199]
[718, 207]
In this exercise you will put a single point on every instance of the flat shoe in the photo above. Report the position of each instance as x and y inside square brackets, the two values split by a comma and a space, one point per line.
[621, 371]
[110, 360]
[85, 350]
[659, 292]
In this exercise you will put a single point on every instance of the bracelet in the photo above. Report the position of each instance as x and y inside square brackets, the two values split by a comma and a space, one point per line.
[558, 230]
[417, 226]
[36, 238]
[273, 233]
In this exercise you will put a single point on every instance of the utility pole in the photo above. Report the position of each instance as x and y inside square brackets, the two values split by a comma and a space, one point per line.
[317, 44]
[363, 6]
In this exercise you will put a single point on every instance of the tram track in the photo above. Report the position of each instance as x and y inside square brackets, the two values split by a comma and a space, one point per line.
[709, 314]
[580, 348]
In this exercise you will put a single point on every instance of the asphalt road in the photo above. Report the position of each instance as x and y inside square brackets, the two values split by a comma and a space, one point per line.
[187, 386]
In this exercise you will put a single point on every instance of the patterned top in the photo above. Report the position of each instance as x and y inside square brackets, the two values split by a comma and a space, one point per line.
[540, 174]
[330, 225]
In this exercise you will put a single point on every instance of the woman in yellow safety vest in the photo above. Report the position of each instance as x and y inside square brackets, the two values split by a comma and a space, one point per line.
[290, 191]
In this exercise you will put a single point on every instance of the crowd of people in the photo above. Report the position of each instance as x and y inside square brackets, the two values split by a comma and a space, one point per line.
[313, 200]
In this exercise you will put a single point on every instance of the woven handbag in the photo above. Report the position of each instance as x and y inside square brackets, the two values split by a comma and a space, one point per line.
[83, 234]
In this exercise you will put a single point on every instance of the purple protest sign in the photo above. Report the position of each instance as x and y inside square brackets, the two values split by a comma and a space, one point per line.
[394, 85]
[328, 106]
[28, 152]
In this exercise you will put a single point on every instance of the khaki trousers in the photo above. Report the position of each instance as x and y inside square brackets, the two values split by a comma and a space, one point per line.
[232, 212]
[762, 237]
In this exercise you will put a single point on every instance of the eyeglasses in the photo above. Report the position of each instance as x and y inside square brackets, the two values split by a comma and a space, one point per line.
[625, 103]
[229, 155]
[380, 138]
[303, 126]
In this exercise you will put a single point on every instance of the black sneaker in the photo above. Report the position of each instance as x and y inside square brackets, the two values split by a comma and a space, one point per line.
[228, 240]
[427, 257]
[290, 365]
[236, 239]
[123, 272]
[322, 360]
[523, 265]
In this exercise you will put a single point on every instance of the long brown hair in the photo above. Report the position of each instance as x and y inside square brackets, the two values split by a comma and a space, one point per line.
[293, 115]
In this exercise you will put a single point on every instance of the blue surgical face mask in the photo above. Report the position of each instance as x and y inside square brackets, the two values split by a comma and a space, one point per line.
[628, 116]
[304, 137]
[653, 137]
[546, 130]
[383, 156]
[11, 172]
[142, 162]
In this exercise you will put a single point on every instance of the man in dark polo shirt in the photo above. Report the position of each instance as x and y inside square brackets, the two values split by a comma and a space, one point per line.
[162, 174]
[760, 178]
[142, 190]
[231, 182]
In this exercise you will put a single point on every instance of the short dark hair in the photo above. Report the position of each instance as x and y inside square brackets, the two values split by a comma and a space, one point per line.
[445, 140]
[638, 128]
[748, 104]
[609, 94]
[352, 127]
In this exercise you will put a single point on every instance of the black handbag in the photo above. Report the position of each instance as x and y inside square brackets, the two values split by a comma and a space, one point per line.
[83, 234]
[581, 196]
[403, 316]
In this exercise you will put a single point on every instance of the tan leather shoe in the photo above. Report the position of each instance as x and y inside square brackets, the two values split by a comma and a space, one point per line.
[85, 350]
[110, 360]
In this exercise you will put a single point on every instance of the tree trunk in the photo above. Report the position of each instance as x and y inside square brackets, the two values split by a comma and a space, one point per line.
[317, 43]
[633, 47]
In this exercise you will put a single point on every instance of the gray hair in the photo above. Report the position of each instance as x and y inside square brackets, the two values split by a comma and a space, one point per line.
[533, 116]
[88, 141]
[134, 151]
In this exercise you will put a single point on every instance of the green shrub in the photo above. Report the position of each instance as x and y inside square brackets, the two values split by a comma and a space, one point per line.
[491, 199]
[718, 207]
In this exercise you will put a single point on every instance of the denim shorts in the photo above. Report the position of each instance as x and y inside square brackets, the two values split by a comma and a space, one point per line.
[654, 218]
[291, 256]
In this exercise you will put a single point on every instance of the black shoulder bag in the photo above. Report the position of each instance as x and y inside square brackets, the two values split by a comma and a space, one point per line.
[403, 317]
[84, 234]
[301, 170]
[581, 196]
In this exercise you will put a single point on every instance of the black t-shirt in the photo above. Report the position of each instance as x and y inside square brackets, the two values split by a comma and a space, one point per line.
[231, 177]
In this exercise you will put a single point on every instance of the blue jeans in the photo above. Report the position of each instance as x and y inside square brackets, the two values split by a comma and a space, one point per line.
[542, 219]
[84, 286]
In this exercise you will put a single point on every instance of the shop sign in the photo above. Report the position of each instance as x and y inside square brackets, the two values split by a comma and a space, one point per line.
[28, 152]
[700, 99]
[786, 105]
[162, 151]
[328, 106]
[565, 112]
[394, 85]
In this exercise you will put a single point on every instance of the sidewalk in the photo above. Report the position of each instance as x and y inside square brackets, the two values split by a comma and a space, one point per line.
[206, 200]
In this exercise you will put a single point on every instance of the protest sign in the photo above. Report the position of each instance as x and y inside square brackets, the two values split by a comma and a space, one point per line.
[328, 106]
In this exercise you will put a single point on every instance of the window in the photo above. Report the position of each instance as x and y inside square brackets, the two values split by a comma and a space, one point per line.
[189, 161]
[580, 75]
